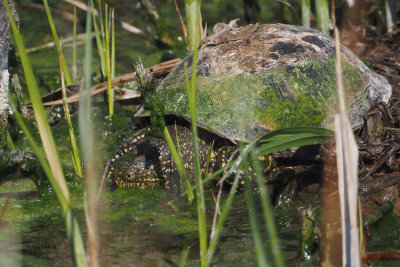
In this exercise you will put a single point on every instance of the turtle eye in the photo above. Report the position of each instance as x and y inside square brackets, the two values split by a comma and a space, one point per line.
[129, 176]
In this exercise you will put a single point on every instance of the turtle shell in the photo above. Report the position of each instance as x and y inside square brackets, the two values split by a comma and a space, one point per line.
[258, 78]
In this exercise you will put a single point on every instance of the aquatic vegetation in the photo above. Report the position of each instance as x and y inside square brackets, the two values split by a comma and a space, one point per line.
[141, 226]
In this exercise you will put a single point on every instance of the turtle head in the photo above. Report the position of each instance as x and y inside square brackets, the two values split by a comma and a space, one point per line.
[131, 169]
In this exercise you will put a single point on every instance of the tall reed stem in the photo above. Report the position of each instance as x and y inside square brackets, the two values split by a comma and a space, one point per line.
[86, 126]
[194, 30]
[322, 12]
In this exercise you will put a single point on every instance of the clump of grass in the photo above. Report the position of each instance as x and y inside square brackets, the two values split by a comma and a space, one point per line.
[274, 141]
[53, 167]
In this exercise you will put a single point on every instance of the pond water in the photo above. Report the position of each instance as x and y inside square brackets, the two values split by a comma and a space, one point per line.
[135, 227]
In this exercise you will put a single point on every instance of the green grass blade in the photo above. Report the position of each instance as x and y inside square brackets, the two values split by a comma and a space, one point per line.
[305, 13]
[75, 151]
[286, 144]
[108, 64]
[101, 23]
[10, 144]
[57, 42]
[322, 13]
[112, 45]
[154, 106]
[194, 29]
[106, 28]
[178, 162]
[199, 191]
[100, 47]
[75, 238]
[222, 218]
[297, 130]
[255, 228]
[267, 212]
[185, 256]
[193, 23]
[74, 67]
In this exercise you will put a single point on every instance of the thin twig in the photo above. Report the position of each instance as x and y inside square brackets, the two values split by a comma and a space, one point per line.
[382, 159]
[380, 182]
[156, 70]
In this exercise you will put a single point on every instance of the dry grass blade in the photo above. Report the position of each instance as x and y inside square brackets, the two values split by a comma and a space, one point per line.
[331, 238]
[347, 163]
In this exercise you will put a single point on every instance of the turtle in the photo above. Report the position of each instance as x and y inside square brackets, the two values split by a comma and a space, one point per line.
[144, 160]
[251, 80]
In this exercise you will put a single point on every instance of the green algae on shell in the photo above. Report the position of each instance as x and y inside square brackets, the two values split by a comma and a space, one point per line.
[258, 78]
